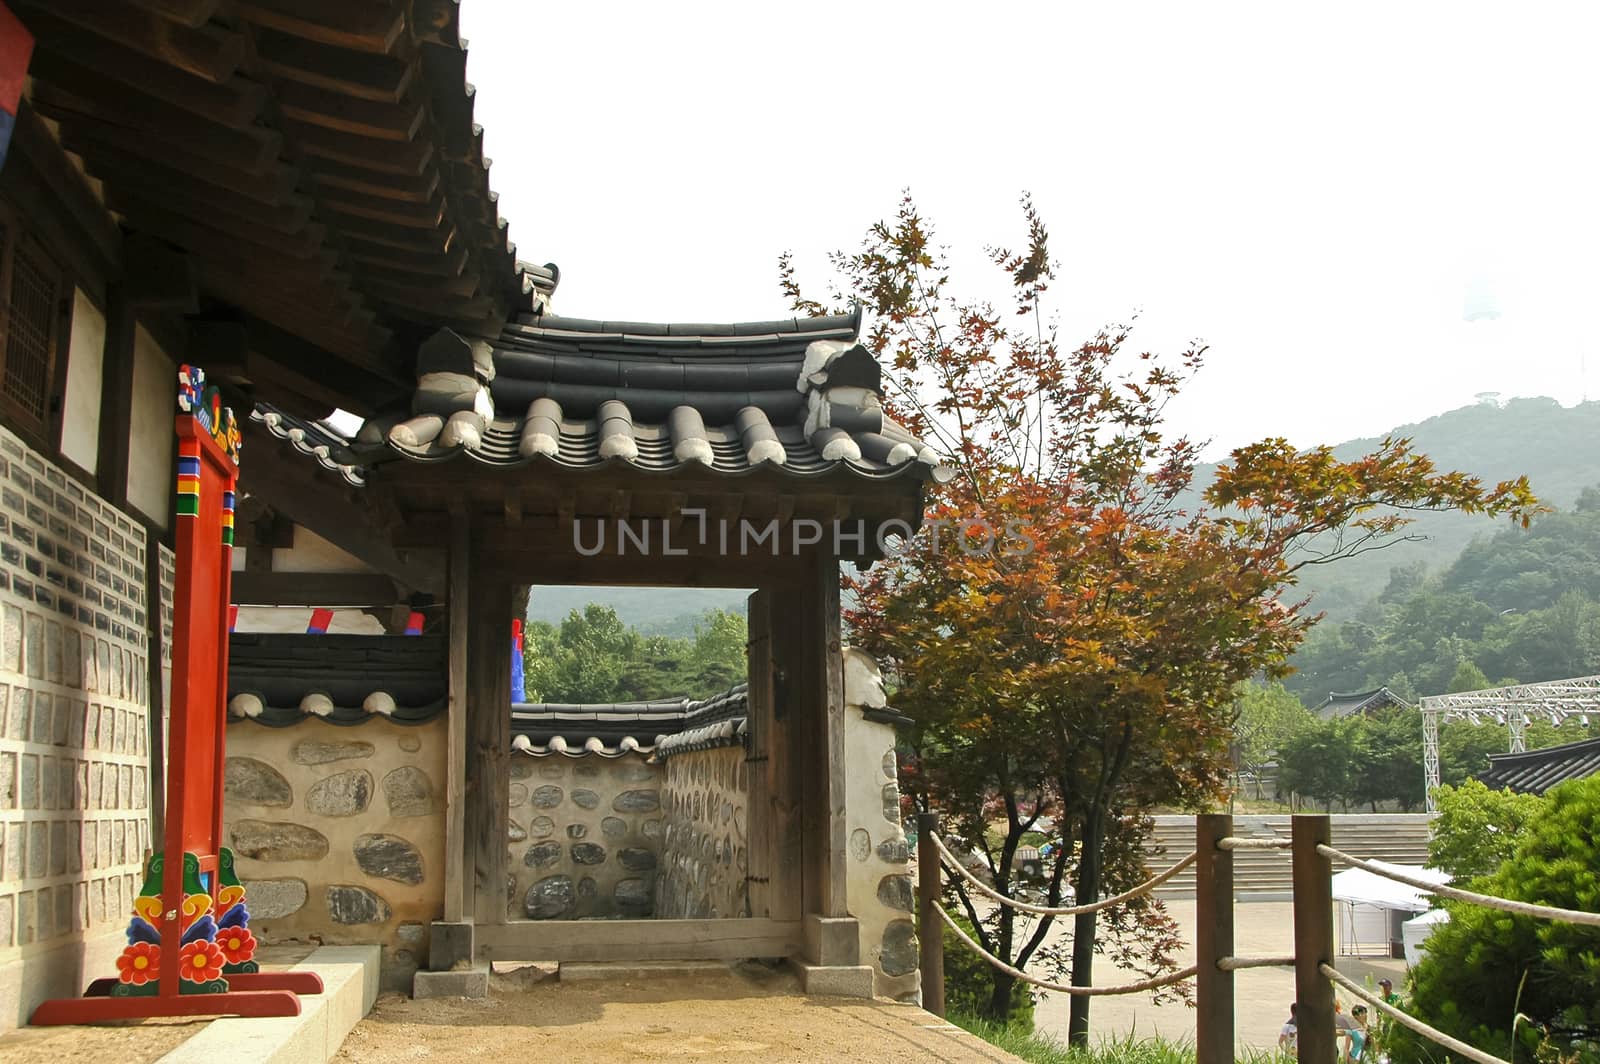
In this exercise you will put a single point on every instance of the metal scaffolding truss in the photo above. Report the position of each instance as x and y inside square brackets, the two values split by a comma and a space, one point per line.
[1515, 706]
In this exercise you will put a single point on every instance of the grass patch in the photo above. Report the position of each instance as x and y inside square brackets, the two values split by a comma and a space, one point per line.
[1037, 1048]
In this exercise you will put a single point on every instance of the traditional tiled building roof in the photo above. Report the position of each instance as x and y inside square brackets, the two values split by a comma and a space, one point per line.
[281, 679]
[1358, 702]
[1536, 771]
[662, 727]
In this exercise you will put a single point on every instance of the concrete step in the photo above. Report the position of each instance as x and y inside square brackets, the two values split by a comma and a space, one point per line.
[627, 971]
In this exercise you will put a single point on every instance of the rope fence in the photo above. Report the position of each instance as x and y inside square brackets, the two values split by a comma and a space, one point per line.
[1067, 910]
[1079, 991]
[1312, 859]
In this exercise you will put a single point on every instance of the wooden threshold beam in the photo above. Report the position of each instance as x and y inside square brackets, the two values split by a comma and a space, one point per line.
[638, 940]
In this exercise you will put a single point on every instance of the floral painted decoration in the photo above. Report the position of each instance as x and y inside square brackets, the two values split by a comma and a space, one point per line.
[139, 964]
[237, 944]
[200, 962]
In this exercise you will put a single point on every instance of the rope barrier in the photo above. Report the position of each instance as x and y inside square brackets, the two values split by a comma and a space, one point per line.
[1521, 908]
[1069, 910]
[1407, 1019]
[1080, 991]
[1233, 842]
[1235, 964]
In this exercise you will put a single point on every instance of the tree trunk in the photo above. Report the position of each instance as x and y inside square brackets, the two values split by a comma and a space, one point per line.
[1083, 932]
[998, 1008]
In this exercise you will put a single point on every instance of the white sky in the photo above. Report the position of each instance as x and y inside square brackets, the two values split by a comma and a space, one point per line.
[1309, 190]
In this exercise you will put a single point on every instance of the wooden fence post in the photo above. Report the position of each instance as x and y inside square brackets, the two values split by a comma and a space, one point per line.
[930, 929]
[1313, 938]
[1213, 940]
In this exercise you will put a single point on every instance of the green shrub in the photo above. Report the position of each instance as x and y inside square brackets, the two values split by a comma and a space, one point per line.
[1485, 967]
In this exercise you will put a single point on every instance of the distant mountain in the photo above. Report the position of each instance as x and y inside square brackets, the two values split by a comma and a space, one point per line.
[653, 611]
[1557, 447]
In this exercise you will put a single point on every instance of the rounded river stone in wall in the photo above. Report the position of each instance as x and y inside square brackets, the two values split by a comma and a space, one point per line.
[895, 892]
[585, 799]
[271, 840]
[635, 859]
[547, 797]
[576, 831]
[638, 772]
[244, 779]
[542, 855]
[515, 832]
[410, 743]
[587, 888]
[891, 803]
[894, 851]
[342, 794]
[632, 897]
[320, 752]
[541, 826]
[552, 770]
[356, 905]
[389, 857]
[516, 795]
[408, 791]
[269, 899]
[652, 828]
[587, 772]
[613, 827]
[637, 802]
[521, 769]
[860, 844]
[548, 898]
[587, 853]
[899, 955]
[890, 765]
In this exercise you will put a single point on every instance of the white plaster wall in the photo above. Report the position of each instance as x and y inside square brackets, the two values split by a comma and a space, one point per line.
[878, 885]
[152, 443]
[80, 423]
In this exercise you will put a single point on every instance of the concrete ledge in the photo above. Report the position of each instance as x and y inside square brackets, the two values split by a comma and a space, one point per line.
[466, 983]
[350, 986]
[833, 940]
[618, 971]
[835, 980]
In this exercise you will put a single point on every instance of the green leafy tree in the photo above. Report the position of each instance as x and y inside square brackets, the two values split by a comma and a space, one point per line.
[1478, 828]
[1319, 762]
[1266, 716]
[1486, 966]
[594, 657]
[1388, 764]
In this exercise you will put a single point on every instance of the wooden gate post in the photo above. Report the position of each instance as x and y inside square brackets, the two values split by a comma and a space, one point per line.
[1313, 938]
[1213, 940]
[930, 929]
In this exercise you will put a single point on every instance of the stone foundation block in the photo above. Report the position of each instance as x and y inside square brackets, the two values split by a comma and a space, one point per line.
[833, 940]
[835, 980]
[470, 983]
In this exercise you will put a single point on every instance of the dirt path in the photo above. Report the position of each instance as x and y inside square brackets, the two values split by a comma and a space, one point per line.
[753, 1015]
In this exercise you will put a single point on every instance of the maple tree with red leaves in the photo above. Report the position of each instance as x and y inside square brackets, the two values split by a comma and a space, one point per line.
[1065, 630]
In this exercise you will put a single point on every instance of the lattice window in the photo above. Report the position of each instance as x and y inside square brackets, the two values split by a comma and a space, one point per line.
[30, 288]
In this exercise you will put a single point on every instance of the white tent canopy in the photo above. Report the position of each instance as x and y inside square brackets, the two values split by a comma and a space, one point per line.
[1358, 886]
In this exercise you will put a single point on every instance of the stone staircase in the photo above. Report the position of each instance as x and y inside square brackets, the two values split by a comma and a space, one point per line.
[1401, 838]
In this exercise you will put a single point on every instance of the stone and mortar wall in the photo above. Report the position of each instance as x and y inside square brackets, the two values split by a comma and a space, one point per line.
[74, 730]
[878, 887]
[704, 860]
[339, 834]
[585, 836]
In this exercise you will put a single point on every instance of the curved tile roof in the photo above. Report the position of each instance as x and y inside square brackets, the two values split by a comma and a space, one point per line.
[796, 394]
[315, 439]
[662, 727]
[1536, 771]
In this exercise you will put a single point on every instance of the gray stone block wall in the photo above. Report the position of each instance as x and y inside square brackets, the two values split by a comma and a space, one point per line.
[74, 713]
[339, 834]
[704, 859]
[585, 836]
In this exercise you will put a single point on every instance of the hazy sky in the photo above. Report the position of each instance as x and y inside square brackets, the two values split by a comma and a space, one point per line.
[1310, 190]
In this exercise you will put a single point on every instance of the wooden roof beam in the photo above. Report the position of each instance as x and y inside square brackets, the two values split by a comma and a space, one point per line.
[190, 13]
[373, 28]
[90, 65]
[367, 77]
[346, 114]
[253, 150]
[206, 51]
[405, 158]
[372, 183]
[117, 146]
